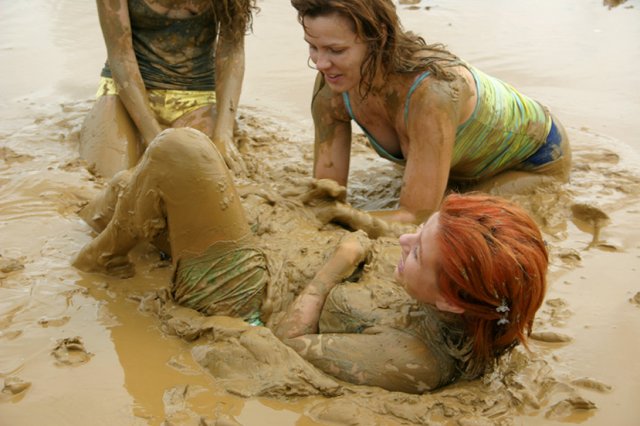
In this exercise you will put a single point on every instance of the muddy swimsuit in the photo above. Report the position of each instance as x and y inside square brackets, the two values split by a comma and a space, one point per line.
[230, 278]
[173, 53]
[507, 130]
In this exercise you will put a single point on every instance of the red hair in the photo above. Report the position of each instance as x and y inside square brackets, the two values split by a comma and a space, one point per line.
[493, 255]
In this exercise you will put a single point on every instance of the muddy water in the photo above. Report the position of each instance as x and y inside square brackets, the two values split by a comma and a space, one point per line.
[84, 349]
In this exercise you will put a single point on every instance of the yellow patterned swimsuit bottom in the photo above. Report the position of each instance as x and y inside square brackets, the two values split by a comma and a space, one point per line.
[230, 278]
[168, 105]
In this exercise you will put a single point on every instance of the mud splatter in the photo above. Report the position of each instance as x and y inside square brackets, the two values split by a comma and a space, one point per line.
[70, 351]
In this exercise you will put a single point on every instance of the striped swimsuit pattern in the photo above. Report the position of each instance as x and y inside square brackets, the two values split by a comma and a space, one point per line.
[505, 129]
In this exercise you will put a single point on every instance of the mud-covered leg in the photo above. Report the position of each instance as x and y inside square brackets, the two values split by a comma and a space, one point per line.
[99, 211]
[181, 181]
[108, 253]
[137, 215]
[109, 140]
[198, 194]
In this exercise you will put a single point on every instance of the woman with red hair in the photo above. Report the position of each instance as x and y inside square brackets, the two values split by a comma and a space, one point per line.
[471, 278]
[493, 268]
[477, 270]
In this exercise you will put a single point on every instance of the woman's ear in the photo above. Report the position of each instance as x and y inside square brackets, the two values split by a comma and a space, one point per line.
[444, 305]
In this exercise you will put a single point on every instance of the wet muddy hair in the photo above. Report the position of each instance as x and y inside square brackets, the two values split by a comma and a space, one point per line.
[494, 265]
[235, 14]
[390, 48]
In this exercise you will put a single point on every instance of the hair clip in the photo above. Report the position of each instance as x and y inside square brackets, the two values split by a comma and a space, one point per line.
[503, 309]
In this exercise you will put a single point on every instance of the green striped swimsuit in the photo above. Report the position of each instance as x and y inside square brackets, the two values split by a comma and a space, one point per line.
[504, 130]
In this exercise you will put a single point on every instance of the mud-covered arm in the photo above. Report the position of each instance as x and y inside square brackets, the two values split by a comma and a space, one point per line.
[303, 314]
[388, 358]
[431, 128]
[327, 199]
[230, 64]
[116, 30]
[332, 144]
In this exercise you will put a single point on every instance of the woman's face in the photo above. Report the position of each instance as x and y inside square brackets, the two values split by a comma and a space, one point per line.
[336, 50]
[417, 268]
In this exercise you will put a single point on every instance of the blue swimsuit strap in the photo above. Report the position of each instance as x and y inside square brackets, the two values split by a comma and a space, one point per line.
[376, 146]
[347, 103]
[412, 89]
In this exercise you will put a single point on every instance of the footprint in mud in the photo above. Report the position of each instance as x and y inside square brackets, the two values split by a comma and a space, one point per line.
[15, 386]
[589, 219]
[53, 322]
[592, 384]
[564, 409]
[558, 311]
[70, 351]
[569, 256]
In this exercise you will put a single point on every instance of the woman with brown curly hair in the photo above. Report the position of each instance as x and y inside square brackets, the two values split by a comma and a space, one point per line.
[419, 106]
[170, 64]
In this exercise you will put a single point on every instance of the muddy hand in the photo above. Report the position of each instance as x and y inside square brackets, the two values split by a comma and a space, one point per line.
[353, 249]
[232, 157]
[325, 197]
[355, 219]
[324, 190]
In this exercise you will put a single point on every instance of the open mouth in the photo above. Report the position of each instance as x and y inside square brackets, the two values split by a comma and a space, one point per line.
[332, 77]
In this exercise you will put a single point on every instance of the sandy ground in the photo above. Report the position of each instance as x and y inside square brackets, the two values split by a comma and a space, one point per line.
[81, 349]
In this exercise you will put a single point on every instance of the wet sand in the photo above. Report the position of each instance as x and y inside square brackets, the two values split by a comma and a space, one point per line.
[86, 349]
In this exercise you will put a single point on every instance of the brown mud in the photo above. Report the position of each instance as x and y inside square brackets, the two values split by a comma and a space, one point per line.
[81, 348]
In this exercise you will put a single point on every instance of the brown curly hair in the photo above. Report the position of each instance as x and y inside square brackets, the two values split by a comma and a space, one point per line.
[235, 14]
[390, 48]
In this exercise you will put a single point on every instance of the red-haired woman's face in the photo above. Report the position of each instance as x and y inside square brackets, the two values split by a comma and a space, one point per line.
[418, 266]
[336, 50]
[416, 270]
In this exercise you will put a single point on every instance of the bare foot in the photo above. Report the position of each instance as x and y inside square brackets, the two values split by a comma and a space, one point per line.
[89, 259]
